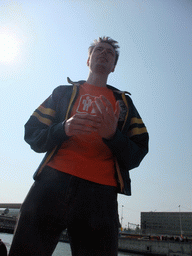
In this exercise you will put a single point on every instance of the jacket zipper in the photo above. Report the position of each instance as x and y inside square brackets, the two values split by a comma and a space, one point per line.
[71, 100]
[67, 114]
[120, 178]
[125, 101]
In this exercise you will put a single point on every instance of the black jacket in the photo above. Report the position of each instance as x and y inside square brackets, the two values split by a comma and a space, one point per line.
[45, 132]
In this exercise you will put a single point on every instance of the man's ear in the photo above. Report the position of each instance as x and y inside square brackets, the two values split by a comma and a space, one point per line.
[113, 69]
[88, 61]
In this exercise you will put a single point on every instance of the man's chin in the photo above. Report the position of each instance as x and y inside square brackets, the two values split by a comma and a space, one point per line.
[100, 69]
[102, 60]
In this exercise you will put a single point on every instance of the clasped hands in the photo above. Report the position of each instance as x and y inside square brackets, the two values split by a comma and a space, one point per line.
[104, 121]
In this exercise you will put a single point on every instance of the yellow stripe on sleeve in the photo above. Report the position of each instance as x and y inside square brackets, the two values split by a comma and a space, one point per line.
[136, 120]
[47, 111]
[42, 119]
[137, 131]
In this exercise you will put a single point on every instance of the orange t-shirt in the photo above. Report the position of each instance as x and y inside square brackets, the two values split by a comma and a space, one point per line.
[87, 156]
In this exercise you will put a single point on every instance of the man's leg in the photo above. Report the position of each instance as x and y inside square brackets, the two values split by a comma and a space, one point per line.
[93, 229]
[34, 238]
[86, 241]
[42, 216]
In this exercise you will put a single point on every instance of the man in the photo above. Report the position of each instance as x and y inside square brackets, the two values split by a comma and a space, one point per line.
[93, 136]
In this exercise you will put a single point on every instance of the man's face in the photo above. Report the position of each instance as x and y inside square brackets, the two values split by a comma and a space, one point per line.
[102, 58]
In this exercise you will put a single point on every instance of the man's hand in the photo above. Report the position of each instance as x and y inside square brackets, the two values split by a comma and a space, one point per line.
[109, 118]
[82, 124]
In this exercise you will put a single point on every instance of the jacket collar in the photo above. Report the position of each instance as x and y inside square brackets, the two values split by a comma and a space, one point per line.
[108, 86]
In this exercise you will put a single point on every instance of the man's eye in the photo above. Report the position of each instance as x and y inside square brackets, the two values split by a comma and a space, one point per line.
[110, 52]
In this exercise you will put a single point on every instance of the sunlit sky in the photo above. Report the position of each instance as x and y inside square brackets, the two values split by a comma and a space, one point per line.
[43, 42]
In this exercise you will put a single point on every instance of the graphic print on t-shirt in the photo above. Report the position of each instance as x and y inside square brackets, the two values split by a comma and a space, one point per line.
[86, 155]
[84, 105]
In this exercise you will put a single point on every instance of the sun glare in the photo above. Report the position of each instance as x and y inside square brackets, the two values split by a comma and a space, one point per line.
[9, 48]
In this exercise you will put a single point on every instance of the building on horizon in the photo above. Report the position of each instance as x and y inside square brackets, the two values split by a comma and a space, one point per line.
[166, 223]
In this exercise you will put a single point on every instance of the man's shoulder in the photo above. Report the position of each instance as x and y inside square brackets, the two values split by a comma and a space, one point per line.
[61, 90]
[116, 90]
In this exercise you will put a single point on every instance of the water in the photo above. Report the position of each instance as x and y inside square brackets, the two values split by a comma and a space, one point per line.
[62, 249]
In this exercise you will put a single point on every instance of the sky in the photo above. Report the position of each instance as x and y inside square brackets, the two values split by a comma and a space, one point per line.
[44, 42]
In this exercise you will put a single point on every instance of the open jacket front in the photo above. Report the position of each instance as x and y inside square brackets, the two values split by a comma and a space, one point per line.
[44, 131]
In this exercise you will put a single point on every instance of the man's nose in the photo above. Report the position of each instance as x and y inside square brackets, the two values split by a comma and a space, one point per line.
[104, 51]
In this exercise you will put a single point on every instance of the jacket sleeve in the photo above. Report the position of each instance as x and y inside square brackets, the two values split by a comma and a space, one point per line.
[130, 146]
[44, 129]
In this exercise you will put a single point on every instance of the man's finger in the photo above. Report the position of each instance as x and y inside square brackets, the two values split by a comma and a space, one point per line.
[86, 116]
[84, 128]
[86, 122]
[97, 110]
[100, 105]
[109, 107]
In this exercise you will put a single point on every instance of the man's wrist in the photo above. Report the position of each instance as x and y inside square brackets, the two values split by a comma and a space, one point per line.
[110, 137]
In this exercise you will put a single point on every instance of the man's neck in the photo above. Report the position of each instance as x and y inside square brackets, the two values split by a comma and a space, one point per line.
[97, 80]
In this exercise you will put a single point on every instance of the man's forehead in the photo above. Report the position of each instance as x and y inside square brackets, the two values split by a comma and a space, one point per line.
[104, 45]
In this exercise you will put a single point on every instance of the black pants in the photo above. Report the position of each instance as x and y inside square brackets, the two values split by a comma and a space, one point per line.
[58, 201]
